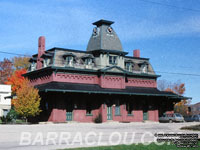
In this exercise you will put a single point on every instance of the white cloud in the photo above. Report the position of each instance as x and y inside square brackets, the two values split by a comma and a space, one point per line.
[148, 29]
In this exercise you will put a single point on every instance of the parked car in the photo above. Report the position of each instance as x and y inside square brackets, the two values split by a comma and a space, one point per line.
[192, 118]
[171, 118]
[196, 117]
[188, 118]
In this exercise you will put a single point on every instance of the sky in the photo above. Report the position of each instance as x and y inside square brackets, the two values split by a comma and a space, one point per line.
[166, 31]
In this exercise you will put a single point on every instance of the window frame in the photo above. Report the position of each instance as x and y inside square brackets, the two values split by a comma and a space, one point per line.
[69, 62]
[117, 108]
[88, 61]
[113, 60]
[129, 66]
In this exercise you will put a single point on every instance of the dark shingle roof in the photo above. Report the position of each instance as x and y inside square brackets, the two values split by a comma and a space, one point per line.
[94, 88]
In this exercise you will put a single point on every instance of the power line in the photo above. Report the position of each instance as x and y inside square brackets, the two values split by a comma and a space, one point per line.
[178, 73]
[168, 5]
[14, 54]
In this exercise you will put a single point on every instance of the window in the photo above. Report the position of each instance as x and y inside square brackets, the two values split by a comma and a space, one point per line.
[88, 61]
[117, 108]
[69, 61]
[5, 112]
[113, 60]
[129, 108]
[144, 68]
[46, 62]
[33, 66]
[129, 66]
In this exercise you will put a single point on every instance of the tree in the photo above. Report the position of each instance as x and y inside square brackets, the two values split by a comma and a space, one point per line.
[162, 85]
[16, 80]
[21, 62]
[6, 70]
[28, 100]
[179, 89]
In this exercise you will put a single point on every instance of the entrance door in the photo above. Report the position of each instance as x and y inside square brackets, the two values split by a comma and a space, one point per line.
[69, 112]
[109, 113]
[145, 115]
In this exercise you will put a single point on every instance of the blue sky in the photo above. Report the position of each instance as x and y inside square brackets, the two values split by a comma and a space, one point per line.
[169, 36]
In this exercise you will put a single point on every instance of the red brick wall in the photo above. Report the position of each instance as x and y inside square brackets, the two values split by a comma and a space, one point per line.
[153, 115]
[113, 82]
[76, 78]
[57, 115]
[141, 83]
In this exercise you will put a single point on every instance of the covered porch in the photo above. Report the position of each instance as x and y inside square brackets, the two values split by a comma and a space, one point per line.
[63, 102]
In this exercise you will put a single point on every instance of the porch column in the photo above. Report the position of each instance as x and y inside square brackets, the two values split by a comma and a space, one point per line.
[103, 111]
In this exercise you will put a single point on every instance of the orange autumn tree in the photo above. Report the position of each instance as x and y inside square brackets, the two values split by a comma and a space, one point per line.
[16, 80]
[180, 107]
[28, 100]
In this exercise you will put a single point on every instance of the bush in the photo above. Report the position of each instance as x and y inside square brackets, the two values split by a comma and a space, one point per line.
[20, 121]
[98, 119]
[3, 119]
[12, 115]
[0, 121]
[194, 128]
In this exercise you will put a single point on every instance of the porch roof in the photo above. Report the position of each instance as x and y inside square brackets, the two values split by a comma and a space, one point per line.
[94, 88]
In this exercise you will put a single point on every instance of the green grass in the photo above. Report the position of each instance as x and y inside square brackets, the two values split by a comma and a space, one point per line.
[152, 146]
[194, 128]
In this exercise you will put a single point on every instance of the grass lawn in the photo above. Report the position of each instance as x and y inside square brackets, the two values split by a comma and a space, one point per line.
[194, 128]
[152, 146]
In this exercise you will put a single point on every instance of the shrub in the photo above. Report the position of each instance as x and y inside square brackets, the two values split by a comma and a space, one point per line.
[98, 118]
[193, 127]
[12, 115]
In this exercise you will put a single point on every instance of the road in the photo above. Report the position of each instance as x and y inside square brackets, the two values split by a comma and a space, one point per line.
[58, 136]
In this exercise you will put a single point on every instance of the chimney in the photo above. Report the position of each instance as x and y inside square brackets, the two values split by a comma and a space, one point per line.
[136, 53]
[41, 51]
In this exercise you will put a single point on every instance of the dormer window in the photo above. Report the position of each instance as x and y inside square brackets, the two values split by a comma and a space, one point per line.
[88, 59]
[46, 59]
[69, 59]
[113, 60]
[129, 66]
[46, 62]
[32, 66]
[144, 67]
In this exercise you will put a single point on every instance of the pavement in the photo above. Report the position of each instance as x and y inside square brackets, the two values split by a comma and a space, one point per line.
[69, 135]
